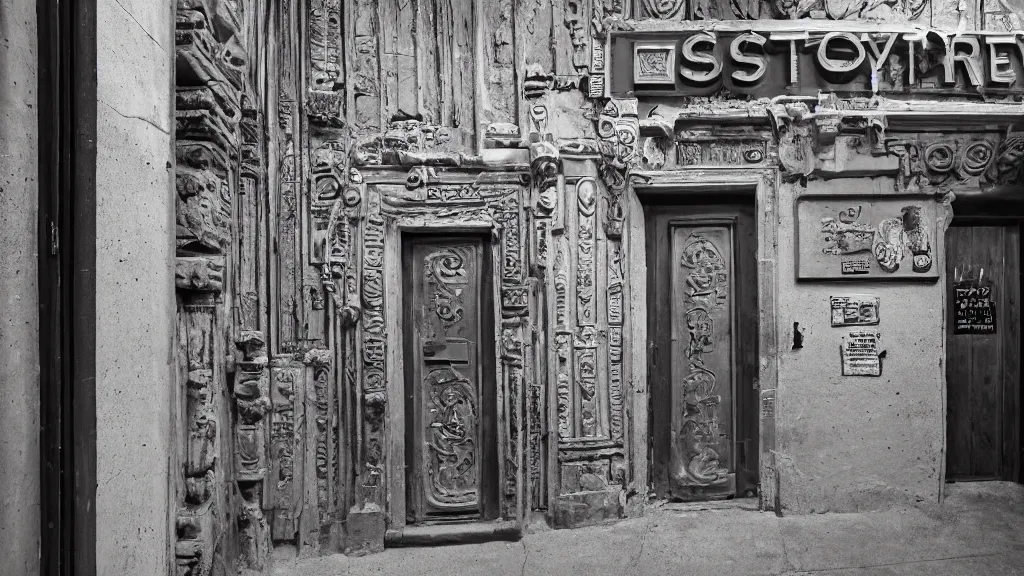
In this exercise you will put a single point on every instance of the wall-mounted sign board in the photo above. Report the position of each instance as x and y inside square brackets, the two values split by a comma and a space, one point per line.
[759, 59]
[854, 310]
[861, 352]
[974, 309]
[843, 237]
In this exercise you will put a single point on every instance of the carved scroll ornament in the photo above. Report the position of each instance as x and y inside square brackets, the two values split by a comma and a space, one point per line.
[545, 164]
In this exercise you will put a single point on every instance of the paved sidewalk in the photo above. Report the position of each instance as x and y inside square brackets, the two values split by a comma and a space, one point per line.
[979, 530]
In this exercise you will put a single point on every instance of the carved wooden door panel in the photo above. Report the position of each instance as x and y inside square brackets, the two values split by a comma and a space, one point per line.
[983, 348]
[450, 413]
[703, 351]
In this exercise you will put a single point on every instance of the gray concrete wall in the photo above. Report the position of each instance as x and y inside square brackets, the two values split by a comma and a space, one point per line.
[135, 276]
[857, 443]
[19, 303]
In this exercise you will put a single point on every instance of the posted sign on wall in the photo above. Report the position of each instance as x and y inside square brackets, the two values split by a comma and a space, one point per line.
[974, 310]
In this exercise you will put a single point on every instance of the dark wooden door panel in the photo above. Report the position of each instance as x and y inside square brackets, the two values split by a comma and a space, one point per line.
[702, 273]
[983, 370]
[449, 443]
[702, 358]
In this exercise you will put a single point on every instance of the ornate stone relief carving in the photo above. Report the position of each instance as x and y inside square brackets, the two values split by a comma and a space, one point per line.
[545, 165]
[943, 161]
[408, 143]
[885, 10]
[252, 402]
[219, 157]
[199, 273]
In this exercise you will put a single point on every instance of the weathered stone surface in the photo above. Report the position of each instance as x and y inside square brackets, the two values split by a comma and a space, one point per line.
[364, 533]
[586, 508]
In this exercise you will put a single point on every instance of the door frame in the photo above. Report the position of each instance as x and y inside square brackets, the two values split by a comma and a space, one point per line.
[495, 207]
[999, 214]
[762, 184]
[717, 213]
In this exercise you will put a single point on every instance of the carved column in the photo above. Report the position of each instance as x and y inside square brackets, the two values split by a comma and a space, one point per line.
[219, 175]
[252, 402]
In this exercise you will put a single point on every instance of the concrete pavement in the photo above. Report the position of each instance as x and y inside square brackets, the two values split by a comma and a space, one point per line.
[978, 530]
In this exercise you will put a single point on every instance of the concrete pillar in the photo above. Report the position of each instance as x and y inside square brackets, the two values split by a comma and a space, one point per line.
[19, 303]
[135, 283]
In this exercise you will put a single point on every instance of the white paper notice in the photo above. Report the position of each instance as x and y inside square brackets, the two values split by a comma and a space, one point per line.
[861, 351]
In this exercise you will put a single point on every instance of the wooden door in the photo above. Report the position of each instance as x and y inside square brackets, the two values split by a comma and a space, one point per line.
[983, 352]
[451, 469]
[703, 329]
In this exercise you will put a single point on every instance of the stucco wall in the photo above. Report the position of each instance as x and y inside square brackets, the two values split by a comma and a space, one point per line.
[19, 303]
[857, 443]
[135, 300]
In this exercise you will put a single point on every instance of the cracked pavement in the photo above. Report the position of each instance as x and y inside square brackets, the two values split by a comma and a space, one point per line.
[978, 530]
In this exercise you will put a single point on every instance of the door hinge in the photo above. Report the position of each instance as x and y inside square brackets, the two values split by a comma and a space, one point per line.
[54, 239]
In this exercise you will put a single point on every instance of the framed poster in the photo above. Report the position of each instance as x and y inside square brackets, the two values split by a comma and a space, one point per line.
[866, 238]
[974, 308]
[854, 310]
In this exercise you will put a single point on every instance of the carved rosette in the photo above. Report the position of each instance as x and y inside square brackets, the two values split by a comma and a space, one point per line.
[956, 160]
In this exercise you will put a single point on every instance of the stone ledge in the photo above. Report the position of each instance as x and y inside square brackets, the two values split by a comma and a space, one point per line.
[443, 534]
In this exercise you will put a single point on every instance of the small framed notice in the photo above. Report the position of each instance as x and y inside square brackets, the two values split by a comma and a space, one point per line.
[974, 308]
[854, 310]
[861, 352]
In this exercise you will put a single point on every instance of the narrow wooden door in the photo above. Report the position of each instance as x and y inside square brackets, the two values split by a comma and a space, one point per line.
[450, 385]
[983, 352]
[703, 330]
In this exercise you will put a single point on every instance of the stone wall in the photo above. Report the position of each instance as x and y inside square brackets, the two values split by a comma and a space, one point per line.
[19, 325]
[848, 443]
[135, 281]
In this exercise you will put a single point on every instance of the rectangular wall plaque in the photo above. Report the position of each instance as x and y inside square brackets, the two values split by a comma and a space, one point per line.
[860, 351]
[866, 237]
[854, 310]
[974, 310]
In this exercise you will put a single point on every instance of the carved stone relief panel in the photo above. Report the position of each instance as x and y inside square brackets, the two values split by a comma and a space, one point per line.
[202, 511]
[721, 152]
[869, 237]
[703, 340]
[219, 184]
[888, 10]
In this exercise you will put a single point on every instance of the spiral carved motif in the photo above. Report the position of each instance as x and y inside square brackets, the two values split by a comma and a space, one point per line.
[976, 157]
[940, 157]
[665, 9]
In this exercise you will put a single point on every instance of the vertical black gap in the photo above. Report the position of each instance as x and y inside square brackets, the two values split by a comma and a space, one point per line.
[490, 479]
[66, 250]
[412, 508]
[52, 561]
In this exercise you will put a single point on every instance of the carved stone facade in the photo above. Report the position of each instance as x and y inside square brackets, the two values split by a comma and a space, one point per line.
[314, 137]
